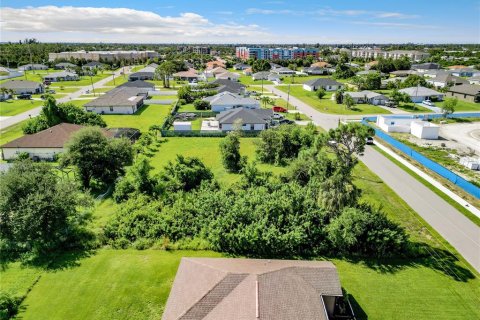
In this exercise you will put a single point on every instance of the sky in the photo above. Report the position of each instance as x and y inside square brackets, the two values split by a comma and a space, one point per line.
[244, 21]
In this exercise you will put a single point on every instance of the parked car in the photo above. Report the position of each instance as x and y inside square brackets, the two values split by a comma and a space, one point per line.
[390, 104]
[47, 82]
[286, 121]
[279, 109]
[51, 91]
[277, 116]
[369, 140]
[24, 96]
[428, 103]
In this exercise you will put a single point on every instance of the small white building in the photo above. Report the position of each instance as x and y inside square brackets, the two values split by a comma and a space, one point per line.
[121, 100]
[61, 76]
[424, 130]
[418, 128]
[325, 83]
[368, 97]
[249, 119]
[182, 126]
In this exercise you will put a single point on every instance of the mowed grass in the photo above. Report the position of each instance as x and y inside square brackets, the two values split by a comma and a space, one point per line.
[326, 105]
[287, 79]
[111, 284]
[12, 107]
[208, 151]
[248, 80]
[462, 105]
[117, 81]
[142, 119]
[11, 133]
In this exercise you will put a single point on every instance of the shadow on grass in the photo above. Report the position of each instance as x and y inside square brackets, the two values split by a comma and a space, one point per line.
[360, 314]
[60, 261]
[433, 258]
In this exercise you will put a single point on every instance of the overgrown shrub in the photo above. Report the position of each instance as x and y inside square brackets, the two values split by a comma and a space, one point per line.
[9, 305]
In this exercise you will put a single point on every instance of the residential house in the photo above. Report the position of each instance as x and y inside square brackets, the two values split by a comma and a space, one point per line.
[122, 100]
[419, 94]
[226, 100]
[61, 76]
[23, 86]
[93, 65]
[215, 64]
[240, 66]
[395, 80]
[141, 76]
[6, 73]
[283, 71]
[403, 73]
[368, 97]
[250, 119]
[446, 80]
[367, 72]
[465, 72]
[315, 70]
[33, 66]
[467, 92]
[228, 76]
[457, 67]
[65, 66]
[228, 288]
[370, 65]
[138, 84]
[435, 73]
[424, 67]
[43, 145]
[474, 80]
[214, 71]
[321, 64]
[266, 75]
[225, 85]
[190, 75]
[248, 72]
[326, 83]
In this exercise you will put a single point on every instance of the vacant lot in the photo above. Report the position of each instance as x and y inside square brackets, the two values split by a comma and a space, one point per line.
[326, 105]
[142, 119]
[462, 105]
[13, 107]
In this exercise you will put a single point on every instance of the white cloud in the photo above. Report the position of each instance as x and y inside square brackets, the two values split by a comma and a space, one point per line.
[127, 24]
[332, 12]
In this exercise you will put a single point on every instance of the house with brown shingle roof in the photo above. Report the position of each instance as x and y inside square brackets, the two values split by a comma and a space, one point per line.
[256, 289]
[43, 145]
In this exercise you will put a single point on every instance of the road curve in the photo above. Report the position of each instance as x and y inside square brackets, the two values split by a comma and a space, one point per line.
[451, 224]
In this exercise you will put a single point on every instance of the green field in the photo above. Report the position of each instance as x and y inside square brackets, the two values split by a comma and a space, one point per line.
[413, 107]
[118, 81]
[462, 105]
[326, 105]
[11, 133]
[249, 81]
[142, 119]
[13, 107]
[287, 79]
[187, 107]
[84, 81]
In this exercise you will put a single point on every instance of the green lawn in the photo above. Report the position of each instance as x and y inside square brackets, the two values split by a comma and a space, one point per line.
[249, 81]
[187, 107]
[64, 90]
[142, 119]
[118, 81]
[207, 149]
[13, 107]
[414, 108]
[326, 105]
[84, 81]
[80, 103]
[462, 105]
[297, 79]
[11, 133]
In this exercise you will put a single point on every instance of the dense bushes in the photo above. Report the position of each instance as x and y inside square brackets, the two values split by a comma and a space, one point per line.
[186, 93]
[9, 306]
[53, 114]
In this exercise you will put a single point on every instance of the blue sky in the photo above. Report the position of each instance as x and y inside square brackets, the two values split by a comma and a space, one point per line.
[209, 21]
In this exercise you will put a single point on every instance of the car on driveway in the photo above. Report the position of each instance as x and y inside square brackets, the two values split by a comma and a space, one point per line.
[279, 109]
[369, 140]
[428, 103]
[277, 116]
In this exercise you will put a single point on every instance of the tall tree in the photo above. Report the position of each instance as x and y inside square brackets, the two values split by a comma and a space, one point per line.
[449, 106]
[230, 151]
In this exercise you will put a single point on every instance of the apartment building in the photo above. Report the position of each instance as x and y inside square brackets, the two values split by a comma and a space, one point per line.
[201, 50]
[103, 55]
[413, 55]
[261, 53]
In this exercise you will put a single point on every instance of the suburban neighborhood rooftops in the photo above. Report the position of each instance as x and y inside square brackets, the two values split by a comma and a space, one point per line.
[457, 66]
[365, 93]
[228, 98]
[446, 78]
[65, 64]
[222, 288]
[15, 84]
[54, 137]
[323, 82]
[256, 116]
[425, 66]
[469, 89]
[137, 84]
[60, 74]
[420, 91]
[320, 64]
[121, 96]
[190, 73]
[141, 74]
[228, 85]
[93, 64]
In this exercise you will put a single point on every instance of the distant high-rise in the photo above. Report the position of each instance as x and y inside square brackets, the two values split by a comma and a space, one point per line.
[102, 55]
[261, 53]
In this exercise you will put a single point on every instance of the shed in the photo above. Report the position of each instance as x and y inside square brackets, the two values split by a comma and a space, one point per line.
[424, 130]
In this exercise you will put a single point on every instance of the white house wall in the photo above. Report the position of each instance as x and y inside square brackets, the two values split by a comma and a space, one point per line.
[42, 153]
[116, 110]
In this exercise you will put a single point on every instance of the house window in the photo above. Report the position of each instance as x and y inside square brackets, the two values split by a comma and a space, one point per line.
[111, 109]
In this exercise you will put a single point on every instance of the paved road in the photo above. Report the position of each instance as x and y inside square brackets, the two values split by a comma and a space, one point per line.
[459, 231]
[10, 121]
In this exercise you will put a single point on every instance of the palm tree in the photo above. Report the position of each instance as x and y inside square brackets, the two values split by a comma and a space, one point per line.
[348, 100]
[165, 70]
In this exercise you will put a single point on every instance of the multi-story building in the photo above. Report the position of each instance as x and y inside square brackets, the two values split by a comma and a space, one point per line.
[414, 55]
[102, 55]
[274, 53]
[201, 50]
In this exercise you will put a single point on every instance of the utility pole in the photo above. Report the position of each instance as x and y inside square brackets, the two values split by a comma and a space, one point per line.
[288, 96]
[91, 81]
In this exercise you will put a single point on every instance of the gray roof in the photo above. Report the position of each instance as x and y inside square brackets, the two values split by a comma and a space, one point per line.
[93, 64]
[65, 64]
[427, 65]
[137, 84]
[323, 82]
[222, 288]
[469, 89]
[34, 65]
[255, 116]
[142, 74]
[366, 93]
[121, 96]
[420, 92]
[61, 74]
[15, 84]
[228, 85]
[229, 98]
[446, 78]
